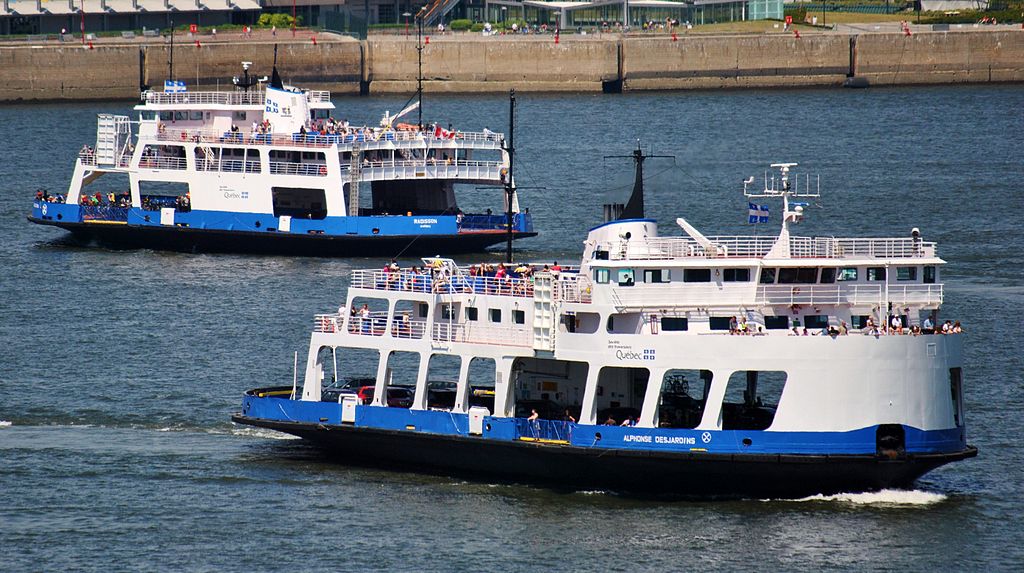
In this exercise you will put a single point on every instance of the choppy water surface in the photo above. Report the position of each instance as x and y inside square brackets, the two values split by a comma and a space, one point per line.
[119, 370]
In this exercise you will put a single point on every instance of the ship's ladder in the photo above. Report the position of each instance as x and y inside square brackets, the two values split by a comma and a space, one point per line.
[209, 159]
[355, 174]
[544, 312]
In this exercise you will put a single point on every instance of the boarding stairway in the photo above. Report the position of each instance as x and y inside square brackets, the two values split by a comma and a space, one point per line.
[436, 10]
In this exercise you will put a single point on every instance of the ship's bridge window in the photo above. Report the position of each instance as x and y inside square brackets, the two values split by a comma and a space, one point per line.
[625, 277]
[876, 273]
[495, 314]
[929, 275]
[828, 275]
[847, 274]
[239, 115]
[674, 323]
[147, 115]
[472, 313]
[519, 316]
[696, 275]
[195, 115]
[798, 275]
[751, 399]
[601, 276]
[906, 273]
[166, 115]
[736, 275]
[180, 115]
[320, 113]
[767, 276]
[657, 276]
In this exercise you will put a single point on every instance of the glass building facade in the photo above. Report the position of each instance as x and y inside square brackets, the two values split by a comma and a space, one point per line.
[598, 12]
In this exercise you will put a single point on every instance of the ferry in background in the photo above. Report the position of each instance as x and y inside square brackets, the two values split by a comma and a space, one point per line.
[271, 171]
[685, 365]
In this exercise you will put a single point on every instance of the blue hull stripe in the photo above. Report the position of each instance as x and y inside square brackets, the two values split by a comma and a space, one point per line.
[399, 225]
[855, 442]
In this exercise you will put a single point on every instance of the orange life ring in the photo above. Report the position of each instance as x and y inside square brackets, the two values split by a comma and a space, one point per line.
[323, 170]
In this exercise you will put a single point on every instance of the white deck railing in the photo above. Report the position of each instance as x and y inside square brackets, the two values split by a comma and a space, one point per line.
[407, 281]
[285, 168]
[370, 141]
[673, 296]
[162, 163]
[228, 165]
[482, 334]
[255, 97]
[667, 248]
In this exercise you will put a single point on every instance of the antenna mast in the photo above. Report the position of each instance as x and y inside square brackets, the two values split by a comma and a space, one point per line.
[419, 64]
[635, 207]
[510, 186]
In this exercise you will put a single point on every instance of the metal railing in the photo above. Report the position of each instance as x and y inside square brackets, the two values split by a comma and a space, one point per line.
[408, 328]
[373, 324]
[162, 163]
[311, 169]
[223, 98]
[930, 294]
[374, 140]
[550, 430]
[692, 295]
[462, 283]
[666, 248]
[228, 165]
[327, 323]
[104, 213]
[410, 169]
[482, 334]
[574, 288]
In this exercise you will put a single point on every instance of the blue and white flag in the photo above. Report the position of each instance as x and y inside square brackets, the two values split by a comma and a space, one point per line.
[757, 213]
[174, 86]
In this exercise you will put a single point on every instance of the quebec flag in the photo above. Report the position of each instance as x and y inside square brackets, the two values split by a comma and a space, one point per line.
[757, 213]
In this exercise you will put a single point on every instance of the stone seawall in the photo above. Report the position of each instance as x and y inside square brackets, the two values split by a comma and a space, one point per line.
[475, 64]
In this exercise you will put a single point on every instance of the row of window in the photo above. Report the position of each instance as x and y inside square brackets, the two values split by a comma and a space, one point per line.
[783, 275]
[186, 115]
[473, 314]
[829, 275]
[627, 277]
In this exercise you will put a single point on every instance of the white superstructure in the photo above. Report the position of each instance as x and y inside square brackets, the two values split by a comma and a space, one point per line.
[819, 335]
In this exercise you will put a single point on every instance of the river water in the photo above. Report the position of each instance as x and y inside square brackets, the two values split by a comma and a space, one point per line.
[119, 370]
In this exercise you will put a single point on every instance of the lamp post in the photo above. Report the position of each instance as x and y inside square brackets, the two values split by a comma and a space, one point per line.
[83, 22]
[504, 16]
[406, 16]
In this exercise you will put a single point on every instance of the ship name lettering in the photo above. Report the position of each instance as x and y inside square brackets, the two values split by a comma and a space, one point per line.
[683, 440]
[424, 221]
[636, 438]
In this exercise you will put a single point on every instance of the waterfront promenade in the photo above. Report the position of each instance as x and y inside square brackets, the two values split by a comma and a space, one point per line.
[112, 68]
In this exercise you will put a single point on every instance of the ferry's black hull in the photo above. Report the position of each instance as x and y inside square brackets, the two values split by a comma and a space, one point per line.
[697, 475]
[191, 240]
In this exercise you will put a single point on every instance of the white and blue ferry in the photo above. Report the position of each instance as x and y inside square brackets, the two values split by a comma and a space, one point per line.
[270, 170]
[687, 365]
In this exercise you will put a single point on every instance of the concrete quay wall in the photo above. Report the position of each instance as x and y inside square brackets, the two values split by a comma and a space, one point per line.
[475, 64]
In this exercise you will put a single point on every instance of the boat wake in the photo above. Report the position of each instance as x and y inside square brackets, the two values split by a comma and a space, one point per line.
[5, 423]
[262, 433]
[885, 497]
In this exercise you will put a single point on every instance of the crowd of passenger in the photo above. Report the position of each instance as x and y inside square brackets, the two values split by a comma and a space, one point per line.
[111, 199]
[43, 196]
[484, 278]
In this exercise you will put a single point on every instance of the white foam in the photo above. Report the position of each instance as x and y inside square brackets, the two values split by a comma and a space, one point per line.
[885, 497]
[250, 432]
[5, 423]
